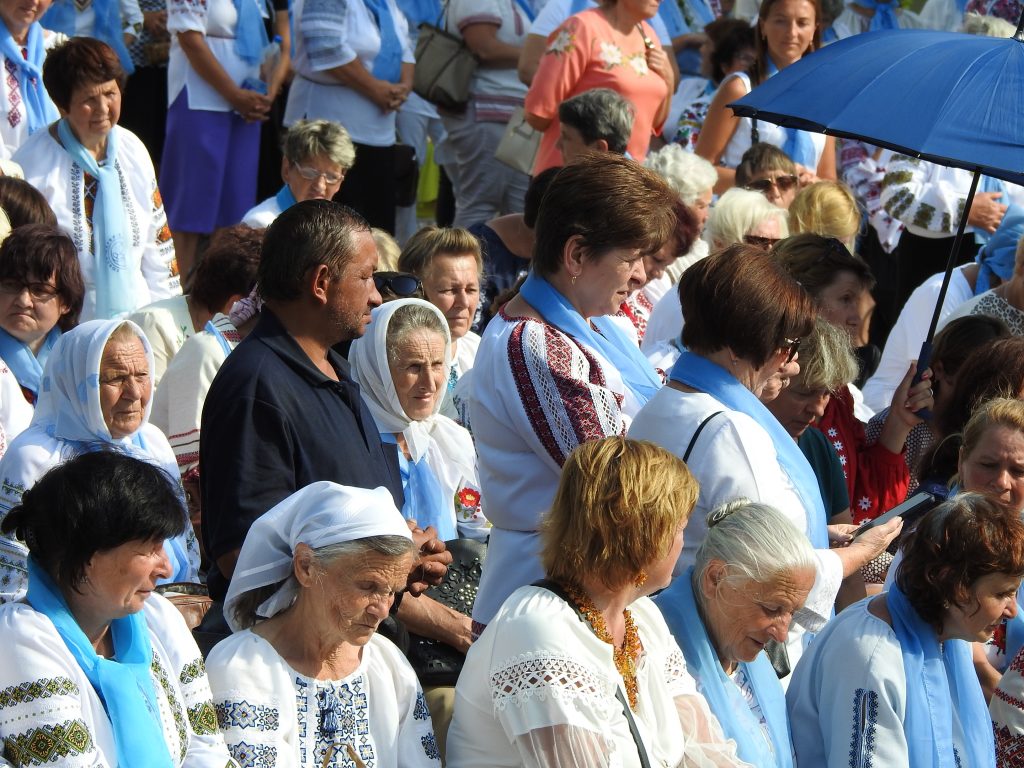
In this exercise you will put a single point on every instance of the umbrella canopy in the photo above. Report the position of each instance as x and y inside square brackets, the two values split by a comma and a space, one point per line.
[950, 98]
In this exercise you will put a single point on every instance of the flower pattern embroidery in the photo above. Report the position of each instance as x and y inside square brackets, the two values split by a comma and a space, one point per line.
[563, 42]
[638, 61]
[467, 503]
[610, 55]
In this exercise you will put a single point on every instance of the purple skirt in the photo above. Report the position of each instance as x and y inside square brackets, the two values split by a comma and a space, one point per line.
[209, 166]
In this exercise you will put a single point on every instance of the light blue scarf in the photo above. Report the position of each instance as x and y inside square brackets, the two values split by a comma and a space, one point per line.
[679, 607]
[420, 11]
[124, 683]
[940, 680]
[106, 27]
[387, 65]
[285, 199]
[798, 144]
[214, 331]
[26, 366]
[705, 376]
[997, 256]
[676, 24]
[636, 370]
[250, 31]
[39, 109]
[115, 286]
[424, 499]
[885, 13]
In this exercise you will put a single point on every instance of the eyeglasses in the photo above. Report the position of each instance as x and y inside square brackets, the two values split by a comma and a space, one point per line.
[38, 291]
[401, 284]
[792, 346]
[312, 174]
[782, 183]
[764, 243]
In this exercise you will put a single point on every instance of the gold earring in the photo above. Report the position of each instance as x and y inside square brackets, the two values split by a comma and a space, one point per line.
[574, 279]
[640, 580]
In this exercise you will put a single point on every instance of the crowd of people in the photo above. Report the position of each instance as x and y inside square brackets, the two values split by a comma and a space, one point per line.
[586, 465]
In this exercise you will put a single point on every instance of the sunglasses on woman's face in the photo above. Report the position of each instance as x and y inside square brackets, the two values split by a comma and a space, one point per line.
[782, 183]
[764, 243]
[401, 284]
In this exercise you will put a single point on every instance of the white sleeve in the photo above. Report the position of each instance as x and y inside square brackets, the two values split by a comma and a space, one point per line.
[187, 16]
[15, 411]
[916, 193]
[131, 16]
[563, 746]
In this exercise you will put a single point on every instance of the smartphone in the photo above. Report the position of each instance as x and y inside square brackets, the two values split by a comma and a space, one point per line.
[910, 510]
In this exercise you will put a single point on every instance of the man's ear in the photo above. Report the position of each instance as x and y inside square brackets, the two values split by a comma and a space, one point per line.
[600, 145]
[318, 281]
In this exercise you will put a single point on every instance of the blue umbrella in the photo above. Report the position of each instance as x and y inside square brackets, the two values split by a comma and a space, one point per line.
[949, 98]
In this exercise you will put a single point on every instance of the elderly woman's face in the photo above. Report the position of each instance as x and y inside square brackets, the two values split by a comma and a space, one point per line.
[419, 372]
[743, 616]
[796, 407]
[452, 284]
[996, 466]
[119, 580]
[701, 208]
[125, 386]
[315, 178]
[30, 308]
[93, 111]
[993, 599]
[604, 282]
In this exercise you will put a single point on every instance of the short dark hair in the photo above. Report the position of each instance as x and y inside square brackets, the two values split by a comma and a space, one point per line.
[308, 234]
[91, 503]
[535, 194]
[962, 336]
[960, 541]
[38, 251]
[742, 298]
[80, 62]
[687, 228]
[762, 158]
[24, 204]
[228, 266]
[599, 113]
[814, 261]
[728, 38]
[609, 201]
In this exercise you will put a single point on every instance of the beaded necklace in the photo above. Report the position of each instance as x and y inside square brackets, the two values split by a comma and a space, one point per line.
[625, 656]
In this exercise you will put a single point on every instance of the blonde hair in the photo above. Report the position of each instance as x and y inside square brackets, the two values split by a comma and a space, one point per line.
[388, 250]
[826, 357]
[736, 213]
[998, 412]
[618, 507]
[431, 242]
[826, 208]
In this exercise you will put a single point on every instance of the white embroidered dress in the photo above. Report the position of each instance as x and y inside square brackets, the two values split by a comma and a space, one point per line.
[271, 715]
[51, 170]
[538, 689]
[51, 715]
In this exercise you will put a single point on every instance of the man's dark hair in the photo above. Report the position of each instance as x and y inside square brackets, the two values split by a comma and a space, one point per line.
[599, 113]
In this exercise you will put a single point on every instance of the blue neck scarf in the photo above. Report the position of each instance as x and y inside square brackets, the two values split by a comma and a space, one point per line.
[26, 366]
[705, 376]
[250, 31]
[885, 13]
[940, 680]
[424, 499]
[989, 184]
[39, 109]
[798, 144]
[997, 256]
[123, 683]
[673, 17]
[636, 370]
[214, 331]
[106, 26]
[387, 65]
[285, 198]
[679, 607]
[115, 286]
[420, 11]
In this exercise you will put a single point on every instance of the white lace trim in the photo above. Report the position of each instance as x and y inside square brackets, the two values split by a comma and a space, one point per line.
[677, 678]
[541, 676]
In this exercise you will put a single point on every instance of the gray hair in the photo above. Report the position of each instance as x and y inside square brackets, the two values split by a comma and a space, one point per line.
[413, 317]
[307, 139]
[599, 113]
[826, 357]
[737, 212]
[690, 175]
[987, 26]
[755, 541]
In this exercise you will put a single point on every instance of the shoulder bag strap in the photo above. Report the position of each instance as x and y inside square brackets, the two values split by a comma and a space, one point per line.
[556, 589]
[693, 440]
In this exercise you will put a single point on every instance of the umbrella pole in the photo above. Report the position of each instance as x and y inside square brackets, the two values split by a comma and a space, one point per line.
[924, 359]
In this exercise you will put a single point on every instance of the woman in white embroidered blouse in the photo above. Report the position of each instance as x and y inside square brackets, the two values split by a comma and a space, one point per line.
[552, 371]
[569, 667]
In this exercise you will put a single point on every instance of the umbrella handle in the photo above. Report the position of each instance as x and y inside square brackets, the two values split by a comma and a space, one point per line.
[924, 362]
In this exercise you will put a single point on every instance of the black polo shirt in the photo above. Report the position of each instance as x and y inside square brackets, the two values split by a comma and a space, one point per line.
[274, 423]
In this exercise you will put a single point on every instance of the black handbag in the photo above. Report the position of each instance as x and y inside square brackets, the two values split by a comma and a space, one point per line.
[437, 663]
[444, 66]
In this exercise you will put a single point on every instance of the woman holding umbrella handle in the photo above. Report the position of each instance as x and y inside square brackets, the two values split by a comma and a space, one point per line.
[786, 31]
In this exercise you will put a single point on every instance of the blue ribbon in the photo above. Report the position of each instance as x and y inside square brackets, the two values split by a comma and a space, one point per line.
[123, 683]
[885, 13]
[998, 255]
[424, 499]
[250, 31]
[26, 366]
[106, 26]
[940, 680]
[285, 199]
[705, 376]
[387, 65]
[679, 607]
[39, 109]
[115, 286]
[798, 144]
[636, 370]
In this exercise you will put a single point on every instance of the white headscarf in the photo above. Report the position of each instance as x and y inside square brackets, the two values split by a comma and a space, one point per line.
[319, 515]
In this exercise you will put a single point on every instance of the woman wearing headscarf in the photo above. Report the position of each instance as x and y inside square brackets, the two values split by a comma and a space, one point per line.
[401, 366]
[95, 396]
[306, 680]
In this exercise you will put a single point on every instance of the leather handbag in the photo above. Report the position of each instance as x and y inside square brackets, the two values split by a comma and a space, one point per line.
[444, 66]
[518, 146]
